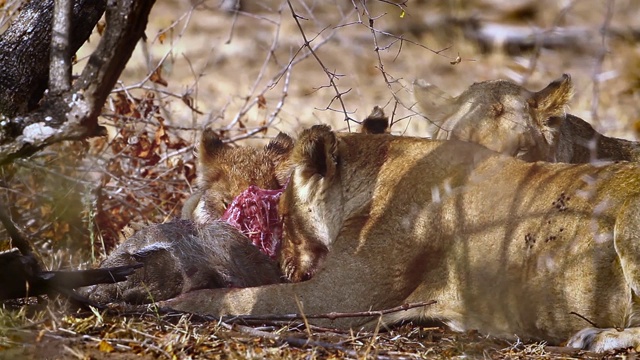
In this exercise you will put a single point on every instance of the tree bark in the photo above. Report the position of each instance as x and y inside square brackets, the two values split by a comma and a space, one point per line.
[25, 47]
[73, 114]
[60, 63]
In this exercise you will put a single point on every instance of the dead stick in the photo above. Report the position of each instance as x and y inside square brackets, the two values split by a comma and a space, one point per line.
[330, 316]
[154, 309]
[17, 239]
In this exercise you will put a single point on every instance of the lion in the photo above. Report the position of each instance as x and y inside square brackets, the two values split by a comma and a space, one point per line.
[510, 119]
[225, 171]
[507, 247]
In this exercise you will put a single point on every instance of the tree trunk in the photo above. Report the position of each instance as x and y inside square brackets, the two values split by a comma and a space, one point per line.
[25, 47]
[72, 115]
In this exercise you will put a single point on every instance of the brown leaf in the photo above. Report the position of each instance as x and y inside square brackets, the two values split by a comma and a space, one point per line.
[156, 77]
[100, 27]
[161, 134]
[262, 102]
[125, 107]
[144, 147]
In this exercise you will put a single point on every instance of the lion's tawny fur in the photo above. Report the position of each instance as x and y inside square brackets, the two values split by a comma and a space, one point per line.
[508, 118]
[504, 246]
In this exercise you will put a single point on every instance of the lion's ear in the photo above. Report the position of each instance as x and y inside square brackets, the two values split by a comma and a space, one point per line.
[375, 123]
[280, 147]
[210, 143]
[433, 103]
[555, 97]
[316, 151]
[210, 146]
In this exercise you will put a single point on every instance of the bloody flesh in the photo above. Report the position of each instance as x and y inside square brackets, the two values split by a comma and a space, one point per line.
[255, 213]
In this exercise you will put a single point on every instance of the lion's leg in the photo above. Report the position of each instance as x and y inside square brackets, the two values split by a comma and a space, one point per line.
[627, 247]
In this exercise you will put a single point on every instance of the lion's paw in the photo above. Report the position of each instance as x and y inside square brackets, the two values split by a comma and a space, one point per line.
[600, 340]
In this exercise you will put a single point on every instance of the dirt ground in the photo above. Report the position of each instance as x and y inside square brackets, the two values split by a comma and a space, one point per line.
[249, 75]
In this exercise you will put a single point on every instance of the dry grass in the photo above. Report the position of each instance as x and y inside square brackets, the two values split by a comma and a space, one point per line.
[248, 76]
[51, 333]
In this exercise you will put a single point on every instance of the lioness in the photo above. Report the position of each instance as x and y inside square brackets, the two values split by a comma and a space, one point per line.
[506, 247]
[510, 119]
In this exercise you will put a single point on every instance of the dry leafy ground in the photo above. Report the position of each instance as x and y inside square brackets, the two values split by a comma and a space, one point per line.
[249, 76]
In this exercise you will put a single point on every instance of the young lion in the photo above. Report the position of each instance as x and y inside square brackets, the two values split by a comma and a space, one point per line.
[510, 119]
[506, 247]
[225, 171]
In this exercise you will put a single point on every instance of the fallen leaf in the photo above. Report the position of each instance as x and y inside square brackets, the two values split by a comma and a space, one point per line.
[105, 347]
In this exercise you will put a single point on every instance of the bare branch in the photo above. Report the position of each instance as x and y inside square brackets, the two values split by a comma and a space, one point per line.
[330, 75]
[17, 239]
[533, 62]
[142, 309]
[60, 64]
[597, 69]
[331, 315]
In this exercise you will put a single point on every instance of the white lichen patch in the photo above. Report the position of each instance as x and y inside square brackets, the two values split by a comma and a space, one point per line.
[36, 132]
[79, 109]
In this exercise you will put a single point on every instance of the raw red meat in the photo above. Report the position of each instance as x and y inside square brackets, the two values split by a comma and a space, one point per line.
[255, 213]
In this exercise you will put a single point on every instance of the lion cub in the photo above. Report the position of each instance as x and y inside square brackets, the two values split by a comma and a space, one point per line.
[225, 171]
[510, 119]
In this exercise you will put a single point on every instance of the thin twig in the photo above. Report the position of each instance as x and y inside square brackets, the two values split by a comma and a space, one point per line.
[331, 315]
[597, 69]
[17, 239]
[400, 40]
[585, 319]
[533, 62]
[331, 75]
[252, 99]
[153, 308]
